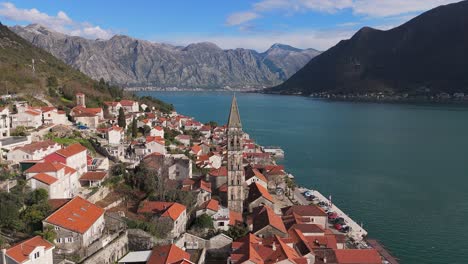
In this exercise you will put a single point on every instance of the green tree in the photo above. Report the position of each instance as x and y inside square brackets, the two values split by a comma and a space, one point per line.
[134, 128]
[146, 130]
[48, 234]
[203, 221]
[121, 119]
[236, 232]
[52, 85]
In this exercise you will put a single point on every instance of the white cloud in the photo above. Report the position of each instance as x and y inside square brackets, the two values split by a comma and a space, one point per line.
[60, 22]
[368, 8]
[240, 18]
[320, 40]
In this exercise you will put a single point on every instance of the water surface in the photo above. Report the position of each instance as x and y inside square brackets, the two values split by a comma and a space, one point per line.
[402, 170]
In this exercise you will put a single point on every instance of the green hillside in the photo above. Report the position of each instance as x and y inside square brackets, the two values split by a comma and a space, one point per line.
[52, 79]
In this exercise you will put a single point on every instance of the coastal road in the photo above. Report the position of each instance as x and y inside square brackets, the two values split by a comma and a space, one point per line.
[357, 232]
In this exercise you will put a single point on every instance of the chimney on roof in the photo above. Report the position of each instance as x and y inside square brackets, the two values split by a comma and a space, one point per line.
[273, 246]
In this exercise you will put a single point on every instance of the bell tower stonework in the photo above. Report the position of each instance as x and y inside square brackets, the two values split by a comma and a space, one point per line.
[236, 177]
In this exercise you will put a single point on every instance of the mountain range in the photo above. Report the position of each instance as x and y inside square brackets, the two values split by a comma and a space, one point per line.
[426, 55]
[131, 62]
[35, 75]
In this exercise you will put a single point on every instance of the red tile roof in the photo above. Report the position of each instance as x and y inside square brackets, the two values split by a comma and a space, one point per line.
[127, 102]
[204, 185]
[169, 209]
[80, 110]
[71, 150]
[222, 171]
[45, 178]
[31, 112]
[211, 204]
[170, 254]
[93, 176]
[304, 210]
[78, 215]
[264, 216]
[196, 149]
[45, 167]
[358, 256]
[37, 146]
[20, 252]
[156, 139]
[235, 218]
[252, 249]
[256, 191]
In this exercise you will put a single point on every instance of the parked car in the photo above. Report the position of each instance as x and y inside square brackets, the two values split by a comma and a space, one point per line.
[345, 229]
[338, 220]
[337, 226]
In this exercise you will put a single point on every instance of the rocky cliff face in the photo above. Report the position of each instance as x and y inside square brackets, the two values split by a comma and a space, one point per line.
[132, 62]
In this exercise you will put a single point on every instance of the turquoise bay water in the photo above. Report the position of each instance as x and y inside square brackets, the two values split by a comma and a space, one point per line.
[402, 170]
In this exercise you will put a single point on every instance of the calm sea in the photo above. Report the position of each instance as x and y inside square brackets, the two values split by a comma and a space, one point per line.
[402, 170]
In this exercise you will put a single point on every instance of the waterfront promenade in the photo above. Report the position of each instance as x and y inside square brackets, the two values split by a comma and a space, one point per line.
[357, 232]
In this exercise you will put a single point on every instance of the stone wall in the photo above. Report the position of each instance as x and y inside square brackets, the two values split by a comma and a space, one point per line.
[111, 253]
[99, 195]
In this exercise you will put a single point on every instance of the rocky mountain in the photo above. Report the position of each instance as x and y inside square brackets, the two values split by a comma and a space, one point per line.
[426, 55]
[131, 62]
[33, 74]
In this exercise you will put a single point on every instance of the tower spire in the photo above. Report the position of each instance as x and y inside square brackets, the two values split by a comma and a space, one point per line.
[234, 117]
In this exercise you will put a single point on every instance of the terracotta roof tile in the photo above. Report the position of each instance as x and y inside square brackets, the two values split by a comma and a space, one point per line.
[45, 178]
[20, 252]
[45, 167]
[263, 216]
[169, 254]
[257, 190]
[77, 215]
[169, 209]
[71, 150]
[211, 204]
[222, 171]
[93, 176]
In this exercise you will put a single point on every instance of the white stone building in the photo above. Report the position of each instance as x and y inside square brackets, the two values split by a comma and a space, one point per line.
[35, 250]
[34, 151]
[59, 180]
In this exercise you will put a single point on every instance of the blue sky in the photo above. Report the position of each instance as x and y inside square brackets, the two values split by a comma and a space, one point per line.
[230, 23]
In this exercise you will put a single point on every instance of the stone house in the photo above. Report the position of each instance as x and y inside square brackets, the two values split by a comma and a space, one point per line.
[258, 196]
[34, 151]
[130, 106]
[35, 250]
[176, 213]
[184, 139]
[74, 156]
[59, 180]
[78, 224]
[30, 117]
[155, 144]
[305, 214]
[255, 176]
[51, 115]
[266, 223]
[157, 131]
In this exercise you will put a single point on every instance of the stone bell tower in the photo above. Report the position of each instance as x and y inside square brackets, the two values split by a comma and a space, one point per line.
[236, 177]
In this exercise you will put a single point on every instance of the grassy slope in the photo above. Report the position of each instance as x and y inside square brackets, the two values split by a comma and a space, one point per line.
[16, 76]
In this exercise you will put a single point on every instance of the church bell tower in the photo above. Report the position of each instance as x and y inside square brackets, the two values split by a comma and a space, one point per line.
[236, 177]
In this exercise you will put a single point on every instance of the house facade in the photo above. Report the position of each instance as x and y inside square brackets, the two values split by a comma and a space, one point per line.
[35, 250]
[77, 224]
